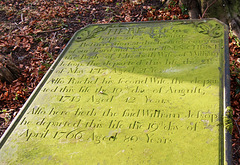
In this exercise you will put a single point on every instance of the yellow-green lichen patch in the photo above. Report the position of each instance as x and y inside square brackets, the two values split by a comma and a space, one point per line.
[229, 120]
[138, 93]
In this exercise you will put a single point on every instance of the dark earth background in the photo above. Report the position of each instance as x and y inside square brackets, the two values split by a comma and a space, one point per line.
[34, 32]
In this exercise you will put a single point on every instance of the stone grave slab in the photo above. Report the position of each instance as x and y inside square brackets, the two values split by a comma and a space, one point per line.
[130, 93]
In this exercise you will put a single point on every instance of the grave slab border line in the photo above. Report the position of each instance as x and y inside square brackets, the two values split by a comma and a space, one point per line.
[225, 81]
[221, 70]
[227, 101]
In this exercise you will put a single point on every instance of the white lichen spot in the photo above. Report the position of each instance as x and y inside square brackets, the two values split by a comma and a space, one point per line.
[206, 122]
[209, 141]
[114, 132]
[119, 152]
[172, 70]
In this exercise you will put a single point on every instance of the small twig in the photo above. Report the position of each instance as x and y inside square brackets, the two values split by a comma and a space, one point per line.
[49, 31]
[239, 133]
[75, 21]
[110, 19]
[237, 127]
[207, 8]
[52, 41]
[22, 20]
[236, 150]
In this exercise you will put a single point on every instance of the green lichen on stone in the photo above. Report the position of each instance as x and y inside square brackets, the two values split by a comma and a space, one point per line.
[228, 119]
[129, 93]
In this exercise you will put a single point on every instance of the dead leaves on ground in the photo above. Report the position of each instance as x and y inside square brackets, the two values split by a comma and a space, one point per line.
[234, 50]
[35, 32]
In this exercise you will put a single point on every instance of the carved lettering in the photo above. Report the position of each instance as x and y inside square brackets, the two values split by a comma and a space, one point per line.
[128, 85]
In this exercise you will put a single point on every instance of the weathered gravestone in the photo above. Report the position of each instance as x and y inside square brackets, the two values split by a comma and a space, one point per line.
[129, 93]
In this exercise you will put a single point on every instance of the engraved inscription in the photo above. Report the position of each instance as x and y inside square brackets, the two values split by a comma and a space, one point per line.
[99, 76]
[131, 89]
